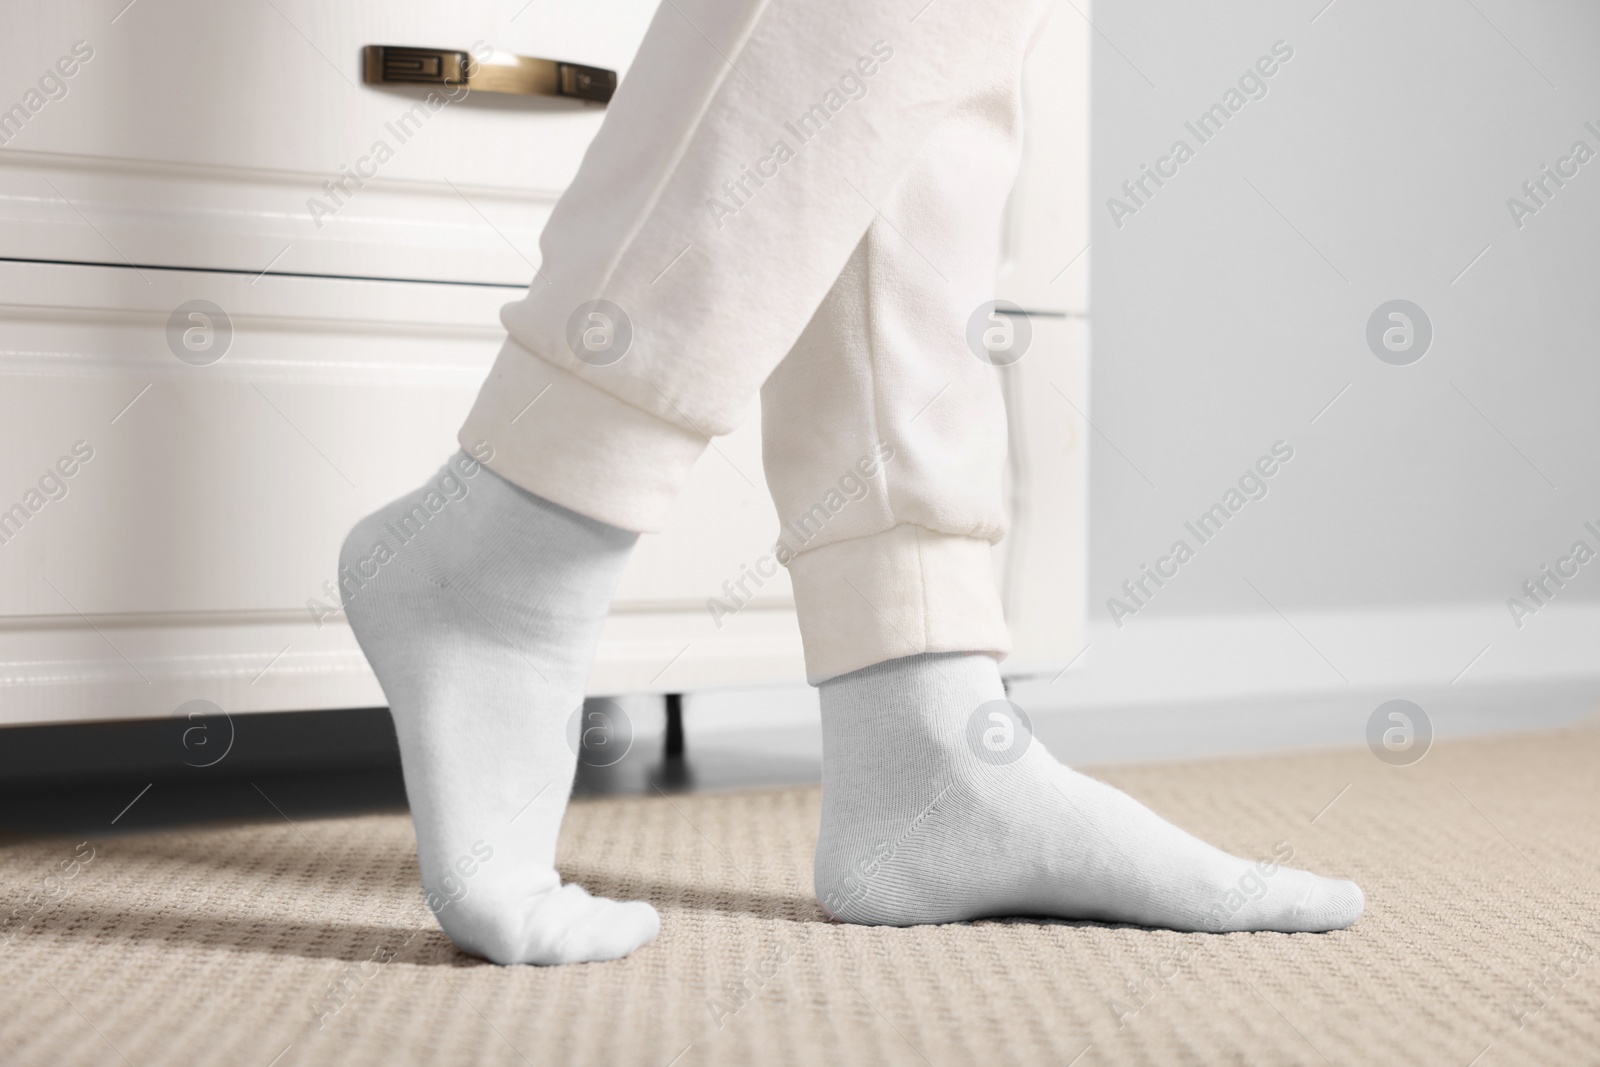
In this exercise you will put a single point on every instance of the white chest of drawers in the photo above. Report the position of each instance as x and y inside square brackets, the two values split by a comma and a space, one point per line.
[183, 159]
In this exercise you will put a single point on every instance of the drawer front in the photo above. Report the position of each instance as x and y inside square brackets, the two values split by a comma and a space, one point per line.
[205, 135]
[193, 133]
[179, 524]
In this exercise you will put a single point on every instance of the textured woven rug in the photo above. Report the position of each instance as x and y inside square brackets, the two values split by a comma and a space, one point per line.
[282, 944]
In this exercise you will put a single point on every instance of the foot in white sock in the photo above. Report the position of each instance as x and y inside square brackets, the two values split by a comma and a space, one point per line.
[929, 815]
[478, 605]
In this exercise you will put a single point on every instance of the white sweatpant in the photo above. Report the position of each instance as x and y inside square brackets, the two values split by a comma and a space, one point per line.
[801, 197]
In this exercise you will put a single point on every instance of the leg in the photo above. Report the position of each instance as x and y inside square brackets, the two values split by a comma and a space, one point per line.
[733, 177]
[716, 218]
[884, 446]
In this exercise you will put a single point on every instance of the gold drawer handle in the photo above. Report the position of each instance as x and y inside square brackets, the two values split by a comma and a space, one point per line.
[484, 70]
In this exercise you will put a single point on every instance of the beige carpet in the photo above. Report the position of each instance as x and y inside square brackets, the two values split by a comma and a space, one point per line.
[212, 945]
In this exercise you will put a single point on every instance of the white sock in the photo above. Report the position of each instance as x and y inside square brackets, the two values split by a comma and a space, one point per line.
[924, 820]
[478, 605]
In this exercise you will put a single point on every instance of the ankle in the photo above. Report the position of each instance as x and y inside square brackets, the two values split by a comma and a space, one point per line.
[926, 698]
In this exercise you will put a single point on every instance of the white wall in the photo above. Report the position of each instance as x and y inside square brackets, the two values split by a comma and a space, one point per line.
[1232, 307]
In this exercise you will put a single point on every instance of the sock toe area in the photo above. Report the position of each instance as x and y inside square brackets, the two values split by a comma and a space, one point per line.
[1333, 904]
[564, 925]
[572, 926]
[619, 929]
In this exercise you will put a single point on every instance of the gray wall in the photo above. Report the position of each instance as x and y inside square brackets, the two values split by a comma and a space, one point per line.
[1233, 305]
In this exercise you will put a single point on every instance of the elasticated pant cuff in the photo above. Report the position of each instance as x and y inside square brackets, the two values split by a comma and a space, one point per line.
[576, 445]
[902, 592]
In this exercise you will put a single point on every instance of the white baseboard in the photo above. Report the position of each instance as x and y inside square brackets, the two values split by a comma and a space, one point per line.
[1308, 653]
[1193, 686]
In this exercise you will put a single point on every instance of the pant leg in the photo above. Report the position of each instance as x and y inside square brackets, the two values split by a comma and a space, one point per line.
[743, 158]
[884, 434]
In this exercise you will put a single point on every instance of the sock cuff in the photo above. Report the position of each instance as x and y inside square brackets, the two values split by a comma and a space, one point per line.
[897, 593]
[577, 445]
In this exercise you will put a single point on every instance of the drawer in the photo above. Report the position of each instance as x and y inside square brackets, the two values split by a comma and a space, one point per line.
[178, 560]
[198, 134]
[201, 135]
